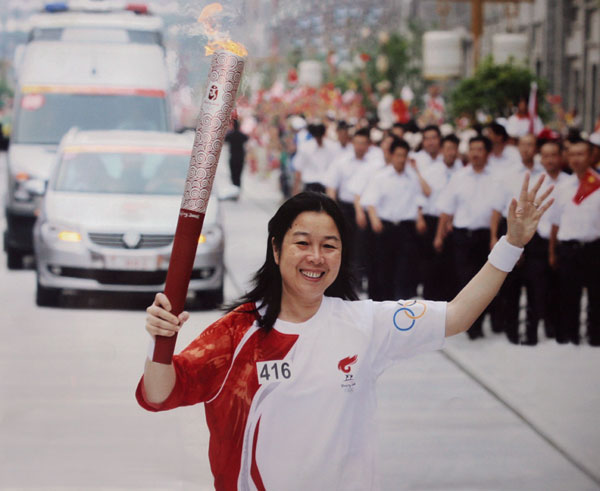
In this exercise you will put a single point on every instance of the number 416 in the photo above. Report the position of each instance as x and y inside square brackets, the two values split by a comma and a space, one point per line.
[273, 371]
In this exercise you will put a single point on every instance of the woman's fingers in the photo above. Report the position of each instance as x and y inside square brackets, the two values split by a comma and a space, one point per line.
[545, 206]
[161, 300]
[159, 321]
[524, 188]
[155, 325]
[161, 313]
[512, 209]
[543, 197]
[537, 187]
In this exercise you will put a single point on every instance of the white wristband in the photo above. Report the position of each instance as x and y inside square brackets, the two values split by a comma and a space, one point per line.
[151, 348]
[504, 256]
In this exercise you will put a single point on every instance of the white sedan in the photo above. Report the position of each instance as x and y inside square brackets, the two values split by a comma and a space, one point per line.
[108, 218]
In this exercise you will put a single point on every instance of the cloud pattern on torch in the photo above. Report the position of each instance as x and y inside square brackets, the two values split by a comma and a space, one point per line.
[213, 122]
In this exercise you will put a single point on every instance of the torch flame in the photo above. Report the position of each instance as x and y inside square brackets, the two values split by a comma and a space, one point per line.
[218, 40]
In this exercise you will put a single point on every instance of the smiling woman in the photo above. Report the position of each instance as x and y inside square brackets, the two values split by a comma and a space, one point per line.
[308, 236]
[288, 375]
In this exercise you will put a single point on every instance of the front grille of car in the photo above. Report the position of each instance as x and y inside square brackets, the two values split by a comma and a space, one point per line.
[120, 277]
[147, 241]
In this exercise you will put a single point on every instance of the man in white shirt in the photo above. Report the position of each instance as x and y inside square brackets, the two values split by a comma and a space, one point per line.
[576, 228]
[312, 161]
[391, 203]
[467, 204]
[344, 142]
[338, 186]
[437, 267]
[503, 157]
[506, 315]
[545, 300]
[430, 151]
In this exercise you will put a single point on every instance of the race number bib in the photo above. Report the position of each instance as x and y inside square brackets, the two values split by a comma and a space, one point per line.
[273, 371]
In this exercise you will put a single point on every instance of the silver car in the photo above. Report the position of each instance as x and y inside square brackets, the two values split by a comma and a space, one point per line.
[109, 214]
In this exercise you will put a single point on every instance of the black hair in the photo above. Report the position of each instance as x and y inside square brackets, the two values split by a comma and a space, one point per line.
[576, 141]
[267, 280]
[499, 130]
[552, 141]
[316, 130]
[342, 125]
[432, 127]
[399, 143]
[363, 132]
[398, 125]
[452, 138]
[573, 135]
[487, 143]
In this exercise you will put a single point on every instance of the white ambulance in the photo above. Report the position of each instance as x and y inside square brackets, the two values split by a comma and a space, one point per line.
[85, 85]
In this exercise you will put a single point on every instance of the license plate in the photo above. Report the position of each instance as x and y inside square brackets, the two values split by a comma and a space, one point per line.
[131, 263]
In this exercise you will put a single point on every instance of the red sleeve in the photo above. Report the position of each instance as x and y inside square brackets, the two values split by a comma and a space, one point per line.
[201, 367]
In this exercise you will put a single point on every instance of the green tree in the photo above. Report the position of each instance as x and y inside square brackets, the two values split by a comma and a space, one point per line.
[495, 89]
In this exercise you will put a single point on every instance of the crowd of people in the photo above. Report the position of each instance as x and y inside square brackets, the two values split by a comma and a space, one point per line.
[426, 207]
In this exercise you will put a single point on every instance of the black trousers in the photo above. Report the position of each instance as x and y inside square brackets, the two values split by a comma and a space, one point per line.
[395, 267]
[549, 291]
[361, 256]
[436, 269]
[532, 272]
[471, 249]
[236, 165]
[541, 282]
[578, 267]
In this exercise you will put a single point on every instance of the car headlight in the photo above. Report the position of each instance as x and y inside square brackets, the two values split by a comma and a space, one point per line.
[210, 236]
[54, 232]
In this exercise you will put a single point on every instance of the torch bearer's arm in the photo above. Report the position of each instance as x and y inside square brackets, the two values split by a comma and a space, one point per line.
[159, 378]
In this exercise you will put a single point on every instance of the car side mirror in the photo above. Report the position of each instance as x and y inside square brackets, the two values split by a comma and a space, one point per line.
[35, 187]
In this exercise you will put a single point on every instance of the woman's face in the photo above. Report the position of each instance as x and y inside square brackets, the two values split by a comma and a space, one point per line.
[310, 256]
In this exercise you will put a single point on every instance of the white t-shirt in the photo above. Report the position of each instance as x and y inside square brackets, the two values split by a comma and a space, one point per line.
[509, 185]
[508, 160]
[363, 176]
[437, 175]
[312, 160]
[393, 195]
[342, 171]
[576, 221]
[545, 225]
[424, 160]
[294, 408]
[518, 126]
[470, 196]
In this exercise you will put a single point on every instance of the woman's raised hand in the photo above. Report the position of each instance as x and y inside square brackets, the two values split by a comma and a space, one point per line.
[160, 321]
[524, 214]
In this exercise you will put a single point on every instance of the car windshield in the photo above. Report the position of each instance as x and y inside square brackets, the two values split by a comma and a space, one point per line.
[122, 173]
[45, 118]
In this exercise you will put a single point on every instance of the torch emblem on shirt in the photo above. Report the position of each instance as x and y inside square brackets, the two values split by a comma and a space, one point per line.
[345, 366]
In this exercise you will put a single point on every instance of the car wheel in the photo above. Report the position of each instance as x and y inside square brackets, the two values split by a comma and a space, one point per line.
[14, 258]
[207, 299]
[47, 297]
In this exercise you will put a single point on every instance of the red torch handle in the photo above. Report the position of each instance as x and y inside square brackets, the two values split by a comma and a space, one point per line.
[189, 227]
[215, 112]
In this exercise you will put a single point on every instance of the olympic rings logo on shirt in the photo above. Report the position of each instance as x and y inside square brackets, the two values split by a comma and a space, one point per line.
[413, 310]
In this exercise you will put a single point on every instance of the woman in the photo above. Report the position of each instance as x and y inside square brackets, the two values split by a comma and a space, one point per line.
[288, 376]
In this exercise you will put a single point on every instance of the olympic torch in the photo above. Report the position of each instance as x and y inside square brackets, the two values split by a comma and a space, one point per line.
[226, 69]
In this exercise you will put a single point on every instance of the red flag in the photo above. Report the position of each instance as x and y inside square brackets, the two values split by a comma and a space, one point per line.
[589, 183]
[532, 107]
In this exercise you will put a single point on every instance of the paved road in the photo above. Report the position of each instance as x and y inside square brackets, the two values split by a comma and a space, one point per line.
[68, 418]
